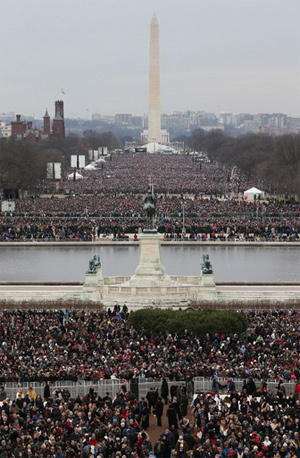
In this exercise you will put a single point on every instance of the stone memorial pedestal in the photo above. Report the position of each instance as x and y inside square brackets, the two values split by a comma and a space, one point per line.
[207, 288]
[93, 285]
[150, 269]
[149, 286]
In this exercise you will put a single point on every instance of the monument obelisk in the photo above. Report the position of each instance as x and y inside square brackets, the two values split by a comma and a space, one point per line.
[154, 126]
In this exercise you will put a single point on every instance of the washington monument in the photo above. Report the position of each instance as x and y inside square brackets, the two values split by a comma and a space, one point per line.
[154, 128]
[154, 132]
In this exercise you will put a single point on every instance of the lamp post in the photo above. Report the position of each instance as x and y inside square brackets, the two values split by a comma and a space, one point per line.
[183, 219]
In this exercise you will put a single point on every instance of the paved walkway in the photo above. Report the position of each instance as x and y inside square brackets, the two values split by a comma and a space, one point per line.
[111, 241]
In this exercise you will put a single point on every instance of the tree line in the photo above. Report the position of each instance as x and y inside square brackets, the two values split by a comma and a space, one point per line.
[275, 161]
[262, 157]
[23, 164]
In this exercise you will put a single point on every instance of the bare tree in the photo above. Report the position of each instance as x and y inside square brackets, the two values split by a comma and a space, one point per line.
[22, 165]
[286, 163]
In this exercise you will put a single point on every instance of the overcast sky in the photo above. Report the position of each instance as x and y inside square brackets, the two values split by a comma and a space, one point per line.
[215, 55]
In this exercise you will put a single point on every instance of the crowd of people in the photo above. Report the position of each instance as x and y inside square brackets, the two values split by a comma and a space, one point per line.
[40, 346]
[109, 201]
[172, 174]
[255, 422]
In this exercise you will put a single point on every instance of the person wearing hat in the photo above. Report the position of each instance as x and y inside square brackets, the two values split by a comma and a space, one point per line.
[181, 448]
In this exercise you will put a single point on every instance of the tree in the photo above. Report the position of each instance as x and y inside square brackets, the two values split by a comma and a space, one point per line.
[286, 163]
[66, 147]
[104, 139]
[197, 140]
[22, 166]
[126, 138]
[249, 153]
[214, 141]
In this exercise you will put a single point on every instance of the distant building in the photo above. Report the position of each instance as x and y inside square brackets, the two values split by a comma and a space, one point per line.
[26, 131]
[5, 129]
[123, 118]
[96, 117]
[225, 118]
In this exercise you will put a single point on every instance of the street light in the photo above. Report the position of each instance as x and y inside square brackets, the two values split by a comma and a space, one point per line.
[183, 220]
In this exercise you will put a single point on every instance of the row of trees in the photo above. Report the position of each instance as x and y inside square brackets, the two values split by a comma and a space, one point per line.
[23, 164]
[274, 160]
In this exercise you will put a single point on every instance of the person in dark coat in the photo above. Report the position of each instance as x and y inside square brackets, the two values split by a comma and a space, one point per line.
[167, 447]
[47, 391]
[160, 448]
[250, 386]
[175, 404]
[183, 405]
[145, 416]
[174, 390]
[172, 416]
[151, 399]
[165, 390]
[159, 411]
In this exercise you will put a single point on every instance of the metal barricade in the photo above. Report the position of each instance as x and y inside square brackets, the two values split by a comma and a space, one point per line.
[139, 387]
[203, 384]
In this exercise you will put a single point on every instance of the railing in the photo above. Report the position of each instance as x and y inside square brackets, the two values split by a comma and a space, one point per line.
[139, 387]
[202, 384]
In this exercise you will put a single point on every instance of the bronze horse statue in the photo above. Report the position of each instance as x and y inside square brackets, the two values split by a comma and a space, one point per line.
[149, 206]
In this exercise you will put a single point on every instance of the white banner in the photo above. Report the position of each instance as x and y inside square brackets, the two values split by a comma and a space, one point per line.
[77, 162]
[54, 170]
[93, 155]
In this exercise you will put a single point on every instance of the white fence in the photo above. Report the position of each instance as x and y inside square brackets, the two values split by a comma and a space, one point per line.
[202, 384]
[139, 387]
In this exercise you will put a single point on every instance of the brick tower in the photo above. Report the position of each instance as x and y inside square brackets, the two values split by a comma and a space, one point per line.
[46, 128]
[59, 108]
[58, 125]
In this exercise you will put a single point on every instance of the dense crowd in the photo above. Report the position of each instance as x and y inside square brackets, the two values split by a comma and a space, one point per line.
[109, 201]
[255, 422]
[172, 174]
[39, 346]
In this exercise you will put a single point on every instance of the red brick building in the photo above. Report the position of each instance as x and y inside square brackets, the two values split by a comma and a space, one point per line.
[25, 130]
[18, 127]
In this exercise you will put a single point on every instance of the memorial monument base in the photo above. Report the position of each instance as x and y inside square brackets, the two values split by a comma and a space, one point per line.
[150, 286]
[150, 269]
[92, 286]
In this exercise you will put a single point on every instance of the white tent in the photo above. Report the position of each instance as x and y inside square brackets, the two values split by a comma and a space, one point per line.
[90, 167]
[77, 176]
[158, 148]
[253, 194]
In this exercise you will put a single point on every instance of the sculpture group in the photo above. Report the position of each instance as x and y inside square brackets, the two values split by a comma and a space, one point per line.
[94, 264]
[149, 285]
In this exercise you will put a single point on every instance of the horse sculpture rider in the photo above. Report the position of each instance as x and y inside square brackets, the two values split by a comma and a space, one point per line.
[149, 206]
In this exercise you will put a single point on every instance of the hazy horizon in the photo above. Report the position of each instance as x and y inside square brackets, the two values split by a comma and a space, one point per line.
[215, 55]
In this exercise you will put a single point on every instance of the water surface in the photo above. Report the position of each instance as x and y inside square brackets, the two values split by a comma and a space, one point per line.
[231, 263]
